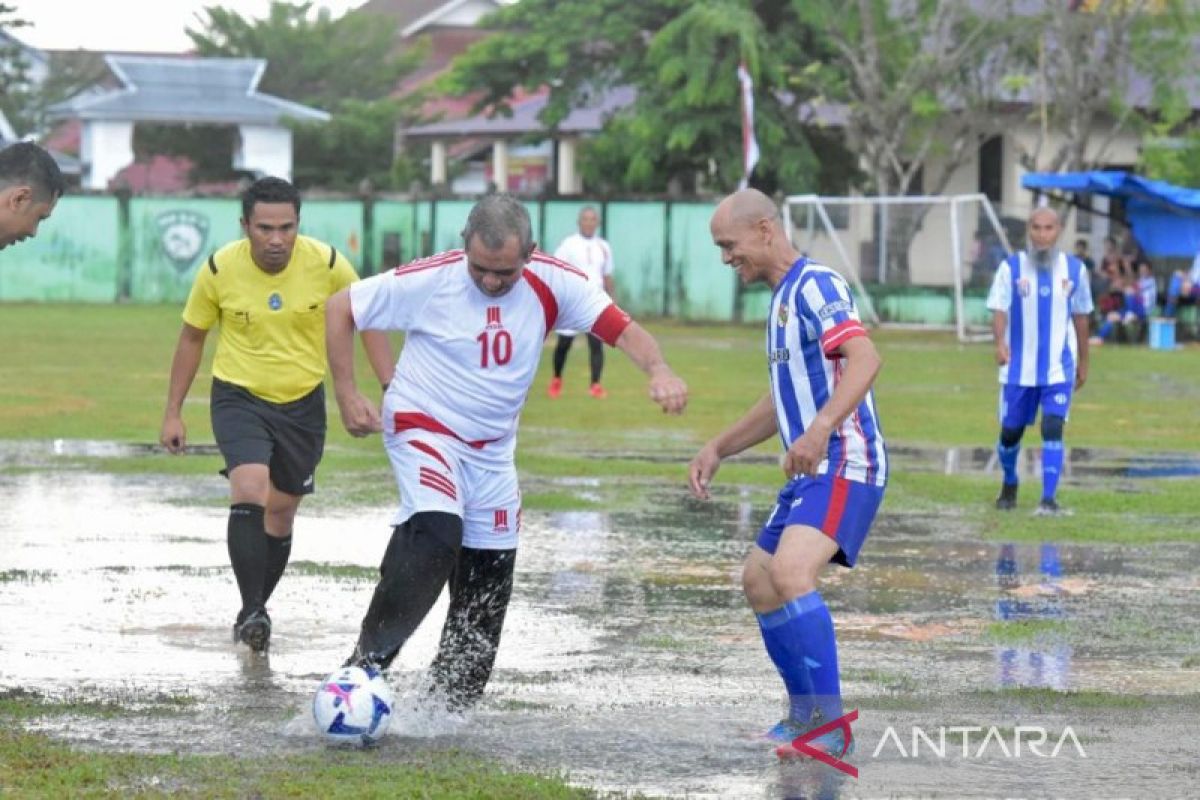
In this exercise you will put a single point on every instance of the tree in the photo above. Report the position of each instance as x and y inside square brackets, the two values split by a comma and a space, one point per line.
[921, 84]
[15, 86]
[681, 57]
[343, 65]
[1098, 69]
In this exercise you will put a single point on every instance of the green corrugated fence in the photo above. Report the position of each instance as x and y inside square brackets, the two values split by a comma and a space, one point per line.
[147, 250]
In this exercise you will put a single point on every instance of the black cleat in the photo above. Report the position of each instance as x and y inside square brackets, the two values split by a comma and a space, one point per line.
[1050, 508]
[1007, 500]
[254, 630]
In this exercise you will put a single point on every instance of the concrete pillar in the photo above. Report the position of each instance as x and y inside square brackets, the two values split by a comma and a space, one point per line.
[437, 162]
[105, 148]
[568, 178]
[265, 150]
[500, 164]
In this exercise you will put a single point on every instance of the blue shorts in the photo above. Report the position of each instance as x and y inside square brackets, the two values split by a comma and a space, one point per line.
[841, 509]
[1019, 404]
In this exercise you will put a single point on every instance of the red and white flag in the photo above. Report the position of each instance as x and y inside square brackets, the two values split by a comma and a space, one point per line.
[749, 142]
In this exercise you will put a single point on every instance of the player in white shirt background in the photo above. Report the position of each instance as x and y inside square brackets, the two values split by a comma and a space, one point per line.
[591, 255]
[474, 322]
[1041, 303]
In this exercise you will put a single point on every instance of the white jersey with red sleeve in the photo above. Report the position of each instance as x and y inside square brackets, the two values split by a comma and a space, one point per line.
[469, 359]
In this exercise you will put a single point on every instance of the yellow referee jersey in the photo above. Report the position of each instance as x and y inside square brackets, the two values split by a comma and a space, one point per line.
[272, 327]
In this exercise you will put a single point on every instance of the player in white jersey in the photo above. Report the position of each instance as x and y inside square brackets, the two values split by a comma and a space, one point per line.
[1041, 301]
[822, 365]
[592, 256]
[475, 320]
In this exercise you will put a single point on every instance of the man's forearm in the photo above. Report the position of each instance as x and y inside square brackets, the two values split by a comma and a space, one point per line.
[339, 340]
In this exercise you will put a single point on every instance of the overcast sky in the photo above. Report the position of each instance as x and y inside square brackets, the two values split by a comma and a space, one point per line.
[137, 25]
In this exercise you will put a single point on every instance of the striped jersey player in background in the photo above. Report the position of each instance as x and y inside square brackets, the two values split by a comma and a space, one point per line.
[475, 321]
[821, 365]
[1041, 303]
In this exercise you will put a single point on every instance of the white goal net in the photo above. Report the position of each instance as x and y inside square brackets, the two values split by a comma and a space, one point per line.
[914, 260]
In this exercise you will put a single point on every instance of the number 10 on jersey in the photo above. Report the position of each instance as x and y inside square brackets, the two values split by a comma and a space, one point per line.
[496, 344]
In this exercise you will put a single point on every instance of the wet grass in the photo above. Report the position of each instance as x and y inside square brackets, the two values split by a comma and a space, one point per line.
[23, 704]
[25, 575]
[1050, 700]
[1025, 630]
[340, 572]
[33, 765]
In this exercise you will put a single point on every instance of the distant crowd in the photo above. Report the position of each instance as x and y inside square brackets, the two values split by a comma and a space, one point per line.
[1127, 292]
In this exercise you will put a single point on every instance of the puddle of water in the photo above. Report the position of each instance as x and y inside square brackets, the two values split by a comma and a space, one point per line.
[629, 659]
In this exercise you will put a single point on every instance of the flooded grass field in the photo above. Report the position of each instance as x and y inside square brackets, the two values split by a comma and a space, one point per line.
[987, 655]
[629, 662]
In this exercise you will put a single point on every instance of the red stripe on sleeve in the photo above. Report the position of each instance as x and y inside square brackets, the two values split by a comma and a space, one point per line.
[833, 338]
[611, 323]
[544, 296]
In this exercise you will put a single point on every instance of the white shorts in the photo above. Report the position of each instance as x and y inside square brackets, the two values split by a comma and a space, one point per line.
[432, 476]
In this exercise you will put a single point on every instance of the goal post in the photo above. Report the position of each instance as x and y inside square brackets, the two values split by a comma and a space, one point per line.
[915, 260]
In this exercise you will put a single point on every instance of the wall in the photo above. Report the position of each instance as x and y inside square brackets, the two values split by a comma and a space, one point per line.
[147, 249]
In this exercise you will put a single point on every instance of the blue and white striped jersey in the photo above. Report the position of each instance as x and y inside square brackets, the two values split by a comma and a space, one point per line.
[1040, 304]
[812, 313]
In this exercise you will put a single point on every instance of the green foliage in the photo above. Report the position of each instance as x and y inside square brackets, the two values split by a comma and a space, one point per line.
[15, 88]
[1175, 160]
[681, 57]
[345, 65]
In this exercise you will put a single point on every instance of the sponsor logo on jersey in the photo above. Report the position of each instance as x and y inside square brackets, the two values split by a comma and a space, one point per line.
[501, 522]
[779, 355]
[833, 308]
[182, 235]
[275, 301]
[493, 317]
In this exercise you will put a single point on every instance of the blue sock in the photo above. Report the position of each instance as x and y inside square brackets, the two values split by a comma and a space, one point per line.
[1008, 462]
[797, 682]
[1105, 330]
[1174, 289]
[805, 628]
[1052, 459]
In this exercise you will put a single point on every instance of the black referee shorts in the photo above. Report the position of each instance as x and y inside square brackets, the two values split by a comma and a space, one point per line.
[288, 437]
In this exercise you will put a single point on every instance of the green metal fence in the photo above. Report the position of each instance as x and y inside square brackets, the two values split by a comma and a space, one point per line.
[147, 250]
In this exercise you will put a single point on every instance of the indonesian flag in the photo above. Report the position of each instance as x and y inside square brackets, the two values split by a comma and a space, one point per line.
[749, 142]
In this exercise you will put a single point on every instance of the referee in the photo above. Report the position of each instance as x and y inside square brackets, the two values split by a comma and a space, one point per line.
[267, 295]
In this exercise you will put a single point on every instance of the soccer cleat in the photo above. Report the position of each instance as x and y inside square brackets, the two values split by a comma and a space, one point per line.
[254, 630]
[1050, 508]
[832, 744]
[597, 391]
[1007, 500]
[555, 390]
[786, 730]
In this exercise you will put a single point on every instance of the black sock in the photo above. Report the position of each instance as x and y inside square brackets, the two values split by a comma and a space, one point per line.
[560, 354]
[480, 588]
[596, 357]
[419, 558]
[279, 549]
[248, 553]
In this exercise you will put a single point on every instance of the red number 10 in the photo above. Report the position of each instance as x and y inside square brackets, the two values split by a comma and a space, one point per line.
[501, 349]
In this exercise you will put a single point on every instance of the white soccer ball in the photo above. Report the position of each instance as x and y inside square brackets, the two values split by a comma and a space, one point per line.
[353, 706]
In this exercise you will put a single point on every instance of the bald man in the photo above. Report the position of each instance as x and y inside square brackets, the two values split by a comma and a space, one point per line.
[821, 366]
[1041, 300]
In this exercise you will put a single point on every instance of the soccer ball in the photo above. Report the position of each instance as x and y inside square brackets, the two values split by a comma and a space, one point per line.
[353, 706]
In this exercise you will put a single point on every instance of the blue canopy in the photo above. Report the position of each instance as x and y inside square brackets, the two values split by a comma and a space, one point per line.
[1165, 219]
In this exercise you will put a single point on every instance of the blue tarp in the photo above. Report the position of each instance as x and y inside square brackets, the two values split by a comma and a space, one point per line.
[1165, 219]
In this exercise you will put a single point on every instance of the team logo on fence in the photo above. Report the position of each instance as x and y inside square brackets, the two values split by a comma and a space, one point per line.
[182, 235]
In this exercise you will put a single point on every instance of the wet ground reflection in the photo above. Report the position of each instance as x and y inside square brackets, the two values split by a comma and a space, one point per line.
[629, 659]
